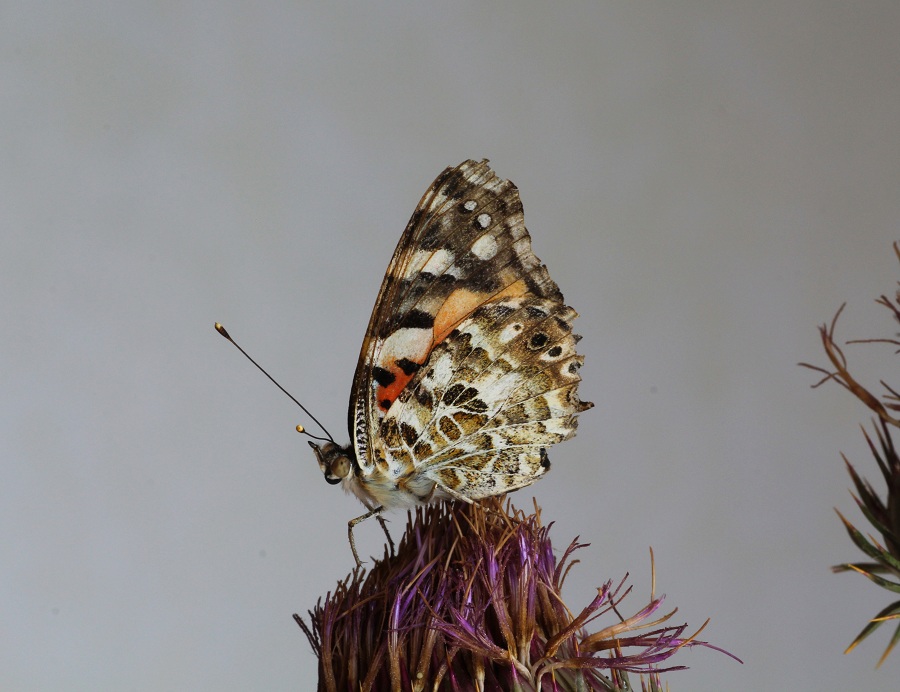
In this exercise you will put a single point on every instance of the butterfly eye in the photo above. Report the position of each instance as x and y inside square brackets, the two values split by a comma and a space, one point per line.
[340, 469]
[333, 461]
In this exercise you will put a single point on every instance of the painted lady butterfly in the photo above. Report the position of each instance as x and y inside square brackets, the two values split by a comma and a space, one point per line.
[468, 370]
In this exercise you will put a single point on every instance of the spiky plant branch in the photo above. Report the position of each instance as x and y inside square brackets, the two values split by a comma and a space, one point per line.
[472, 601]
[884, 516]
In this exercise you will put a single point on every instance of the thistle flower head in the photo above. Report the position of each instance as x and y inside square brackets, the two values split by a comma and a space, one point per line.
[472, 601]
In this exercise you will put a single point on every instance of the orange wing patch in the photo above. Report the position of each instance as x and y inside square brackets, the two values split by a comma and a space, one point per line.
[462, 303]
[406, 350]
[401, 355]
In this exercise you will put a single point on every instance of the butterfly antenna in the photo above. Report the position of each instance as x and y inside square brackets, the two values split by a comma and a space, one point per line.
[300, 428]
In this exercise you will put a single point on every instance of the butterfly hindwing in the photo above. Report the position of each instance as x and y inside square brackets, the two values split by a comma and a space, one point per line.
[502, 387]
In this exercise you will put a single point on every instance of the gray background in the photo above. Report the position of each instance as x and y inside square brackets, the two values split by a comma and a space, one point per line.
[707, 182]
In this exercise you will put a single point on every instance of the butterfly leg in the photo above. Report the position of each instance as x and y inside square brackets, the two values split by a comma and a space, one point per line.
[384, 527]
[353, 522]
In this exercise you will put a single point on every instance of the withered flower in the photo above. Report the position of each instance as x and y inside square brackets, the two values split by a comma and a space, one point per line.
[883, 515]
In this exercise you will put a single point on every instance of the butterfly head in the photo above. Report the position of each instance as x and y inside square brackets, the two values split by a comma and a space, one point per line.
[335, 462]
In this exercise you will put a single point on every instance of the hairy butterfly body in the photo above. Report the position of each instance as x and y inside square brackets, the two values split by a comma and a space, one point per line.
[468, 369]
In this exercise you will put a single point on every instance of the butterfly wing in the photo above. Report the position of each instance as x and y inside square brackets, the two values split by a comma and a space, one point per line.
[465, 246]
[477, 419]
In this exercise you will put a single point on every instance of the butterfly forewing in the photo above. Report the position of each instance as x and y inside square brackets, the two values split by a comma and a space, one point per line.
[465, 244]
[468, 368]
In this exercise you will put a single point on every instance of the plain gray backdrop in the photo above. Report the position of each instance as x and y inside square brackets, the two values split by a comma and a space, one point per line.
[706, 181]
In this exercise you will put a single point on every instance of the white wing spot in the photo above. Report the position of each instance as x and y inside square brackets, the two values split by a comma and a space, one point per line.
[438, 261]
[484, 220]
[485, 247]
[409, 342]
[509, 332]
[470, 205]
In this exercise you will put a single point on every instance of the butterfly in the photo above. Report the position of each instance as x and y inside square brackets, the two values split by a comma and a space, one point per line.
[468, 370]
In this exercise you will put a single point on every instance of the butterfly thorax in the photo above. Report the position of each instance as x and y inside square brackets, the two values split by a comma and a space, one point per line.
[387, 486]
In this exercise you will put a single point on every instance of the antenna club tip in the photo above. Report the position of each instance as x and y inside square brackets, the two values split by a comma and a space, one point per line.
[222, 331]
[300, 429]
